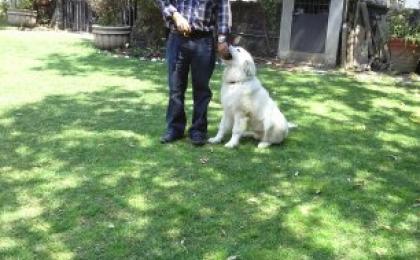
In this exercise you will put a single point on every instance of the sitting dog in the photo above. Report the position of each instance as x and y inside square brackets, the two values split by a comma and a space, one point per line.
[248, 109]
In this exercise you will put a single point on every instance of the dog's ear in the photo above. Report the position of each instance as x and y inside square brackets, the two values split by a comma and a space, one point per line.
[249, 68]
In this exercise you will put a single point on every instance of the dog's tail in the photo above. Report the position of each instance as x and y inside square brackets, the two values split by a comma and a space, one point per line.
[291, 125]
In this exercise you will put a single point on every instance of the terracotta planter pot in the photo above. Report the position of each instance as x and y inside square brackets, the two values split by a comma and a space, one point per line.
[21, 17]
[111, 37]
[405, 55]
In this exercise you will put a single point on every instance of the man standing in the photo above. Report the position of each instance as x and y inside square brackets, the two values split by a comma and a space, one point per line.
[191, 45]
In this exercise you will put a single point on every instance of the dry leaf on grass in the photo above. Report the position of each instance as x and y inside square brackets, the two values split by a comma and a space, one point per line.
[204, 160]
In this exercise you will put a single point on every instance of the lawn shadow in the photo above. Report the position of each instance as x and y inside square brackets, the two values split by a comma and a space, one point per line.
[101, 62]
[100, 185]
[93, 137]
[106, 188]
[3, 22]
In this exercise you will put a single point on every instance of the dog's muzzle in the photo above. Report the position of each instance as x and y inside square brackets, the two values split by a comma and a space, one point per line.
[228, 56]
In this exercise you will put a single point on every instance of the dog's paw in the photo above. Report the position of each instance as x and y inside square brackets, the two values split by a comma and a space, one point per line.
[263, 145]
[214, 140]
[231, 145]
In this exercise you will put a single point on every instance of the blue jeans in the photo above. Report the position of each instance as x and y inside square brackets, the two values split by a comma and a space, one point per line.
[183, 54]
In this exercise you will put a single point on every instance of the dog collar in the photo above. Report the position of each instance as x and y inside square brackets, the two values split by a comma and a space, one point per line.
[239, 81]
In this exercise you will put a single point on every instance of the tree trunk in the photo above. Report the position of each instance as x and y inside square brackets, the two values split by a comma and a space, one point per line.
[344, 35]
[57, 19]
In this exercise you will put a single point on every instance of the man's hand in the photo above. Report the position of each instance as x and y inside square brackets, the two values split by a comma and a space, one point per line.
[181, 23]
[223, 50]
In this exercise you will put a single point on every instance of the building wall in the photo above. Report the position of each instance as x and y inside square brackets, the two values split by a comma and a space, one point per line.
[329, 57]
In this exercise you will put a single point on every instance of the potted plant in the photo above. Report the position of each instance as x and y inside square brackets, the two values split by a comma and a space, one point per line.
[404, 40]
[109, 32]
[22, 14]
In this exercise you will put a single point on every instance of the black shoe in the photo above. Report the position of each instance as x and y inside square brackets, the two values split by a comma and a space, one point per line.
[170, 137]
[198, 139]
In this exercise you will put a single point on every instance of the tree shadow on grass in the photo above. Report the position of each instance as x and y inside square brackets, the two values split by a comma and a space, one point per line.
[84, 64]
[3, 22]
[82, 137]
[99, 185]
[84, 175]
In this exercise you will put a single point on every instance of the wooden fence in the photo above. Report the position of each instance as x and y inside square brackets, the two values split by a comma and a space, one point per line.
[77, 15]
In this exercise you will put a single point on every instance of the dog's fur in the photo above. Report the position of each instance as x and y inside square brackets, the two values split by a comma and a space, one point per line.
[247, 106]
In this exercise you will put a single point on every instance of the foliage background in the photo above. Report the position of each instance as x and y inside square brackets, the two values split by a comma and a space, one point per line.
[270, 8]
[149, 30]
[24, 4]
[404, 24]
[108, 11]
[3, 7]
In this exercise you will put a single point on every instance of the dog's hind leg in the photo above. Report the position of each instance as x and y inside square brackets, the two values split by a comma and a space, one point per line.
[239, 127]
[265, 140]
[225, 125]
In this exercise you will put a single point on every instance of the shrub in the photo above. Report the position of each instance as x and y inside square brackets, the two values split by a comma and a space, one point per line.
[272, 15]
[25, 4]
[149, 29]
[108, 12]
[3, 7]
[404, 24]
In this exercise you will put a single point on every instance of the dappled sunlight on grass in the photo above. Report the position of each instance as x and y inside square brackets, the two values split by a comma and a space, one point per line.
[83, 175]
[28, 212]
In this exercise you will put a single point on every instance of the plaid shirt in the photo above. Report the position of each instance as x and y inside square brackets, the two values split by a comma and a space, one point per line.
[202, 15]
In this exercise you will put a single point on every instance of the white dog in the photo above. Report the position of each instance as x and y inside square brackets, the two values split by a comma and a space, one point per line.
[247, 106]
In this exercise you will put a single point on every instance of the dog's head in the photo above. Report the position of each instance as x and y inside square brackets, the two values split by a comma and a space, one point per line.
[241, 60]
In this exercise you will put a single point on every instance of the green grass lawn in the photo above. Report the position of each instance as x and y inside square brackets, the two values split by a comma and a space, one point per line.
[83, 175]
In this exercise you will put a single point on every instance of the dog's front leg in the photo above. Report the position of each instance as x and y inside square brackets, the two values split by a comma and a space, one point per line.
[239, 127]
[225, 126]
